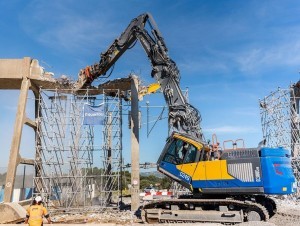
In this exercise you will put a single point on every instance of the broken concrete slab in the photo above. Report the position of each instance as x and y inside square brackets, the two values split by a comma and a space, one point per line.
[11, 213]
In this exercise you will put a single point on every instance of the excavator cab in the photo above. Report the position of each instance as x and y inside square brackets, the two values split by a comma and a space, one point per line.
[181, 151]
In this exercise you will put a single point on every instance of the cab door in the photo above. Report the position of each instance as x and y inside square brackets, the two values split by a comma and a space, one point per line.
[189, 163]
[171, 160]
[179, 159]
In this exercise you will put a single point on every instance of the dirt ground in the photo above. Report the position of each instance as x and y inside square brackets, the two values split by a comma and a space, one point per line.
[288, 214]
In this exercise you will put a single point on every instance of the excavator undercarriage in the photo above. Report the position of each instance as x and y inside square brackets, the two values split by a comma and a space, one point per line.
[226, 210]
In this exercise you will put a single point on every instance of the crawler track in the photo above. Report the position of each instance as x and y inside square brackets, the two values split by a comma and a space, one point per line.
[203, 210]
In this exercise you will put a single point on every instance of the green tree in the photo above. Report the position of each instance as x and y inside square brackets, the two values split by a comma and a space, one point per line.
[165, 183]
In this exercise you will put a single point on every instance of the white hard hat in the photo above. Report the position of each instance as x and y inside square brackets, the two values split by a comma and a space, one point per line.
[38, 199]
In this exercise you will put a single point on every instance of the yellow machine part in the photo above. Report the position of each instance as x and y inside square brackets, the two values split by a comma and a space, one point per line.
[152, 88]
[206, 170]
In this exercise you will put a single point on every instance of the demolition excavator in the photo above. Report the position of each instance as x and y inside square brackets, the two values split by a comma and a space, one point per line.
[231, 187]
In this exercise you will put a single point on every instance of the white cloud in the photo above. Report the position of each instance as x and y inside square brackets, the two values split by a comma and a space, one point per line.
[285, 53]
[247, 59]
[60, 28]
[73, 34]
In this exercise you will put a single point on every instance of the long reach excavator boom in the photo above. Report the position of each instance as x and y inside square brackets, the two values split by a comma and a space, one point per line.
[183, 117]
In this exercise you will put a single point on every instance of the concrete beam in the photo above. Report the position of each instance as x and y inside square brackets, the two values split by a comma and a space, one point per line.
[26, 161]
[30, 123]
[12, 74]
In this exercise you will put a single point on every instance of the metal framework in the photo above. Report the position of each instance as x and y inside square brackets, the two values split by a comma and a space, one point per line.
[276, 117]
[280, 122]
[77, 165]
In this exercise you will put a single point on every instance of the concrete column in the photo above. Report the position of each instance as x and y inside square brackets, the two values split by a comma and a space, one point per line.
[14, 158]
[135, 149]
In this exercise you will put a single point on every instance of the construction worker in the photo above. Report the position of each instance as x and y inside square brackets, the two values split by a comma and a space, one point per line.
[36, 212]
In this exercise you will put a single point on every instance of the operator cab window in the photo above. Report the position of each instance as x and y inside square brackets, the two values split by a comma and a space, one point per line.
[180, 152]
[190, 153]
[204, 155]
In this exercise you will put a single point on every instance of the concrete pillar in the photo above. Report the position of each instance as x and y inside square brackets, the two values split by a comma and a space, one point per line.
[135, 149]
[14, 157]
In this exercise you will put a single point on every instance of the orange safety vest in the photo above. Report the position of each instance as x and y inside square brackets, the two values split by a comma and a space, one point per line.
[36, 213]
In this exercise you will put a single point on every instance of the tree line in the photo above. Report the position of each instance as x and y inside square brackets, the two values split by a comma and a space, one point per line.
[160, 182]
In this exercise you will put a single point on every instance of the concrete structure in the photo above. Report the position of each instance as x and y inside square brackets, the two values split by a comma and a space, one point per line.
[14, 213]
[23, 74]
[135, 149]
[26, 74]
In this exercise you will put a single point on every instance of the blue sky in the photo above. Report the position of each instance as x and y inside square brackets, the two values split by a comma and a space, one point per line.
[230, 54]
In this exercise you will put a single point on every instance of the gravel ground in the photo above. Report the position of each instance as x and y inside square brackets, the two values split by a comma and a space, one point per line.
[109, 216]
[288, 215]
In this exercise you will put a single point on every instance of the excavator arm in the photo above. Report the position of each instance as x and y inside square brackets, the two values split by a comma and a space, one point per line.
[183, 117]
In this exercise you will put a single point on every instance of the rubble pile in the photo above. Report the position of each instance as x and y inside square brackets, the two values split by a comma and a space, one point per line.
[288, 214]
[109, 216]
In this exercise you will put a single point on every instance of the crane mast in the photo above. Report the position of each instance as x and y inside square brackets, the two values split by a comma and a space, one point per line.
[183, 117]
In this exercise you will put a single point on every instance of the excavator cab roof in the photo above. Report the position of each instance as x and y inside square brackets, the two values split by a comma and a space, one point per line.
[191, 140]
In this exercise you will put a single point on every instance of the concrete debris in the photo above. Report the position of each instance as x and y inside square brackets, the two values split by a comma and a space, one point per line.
[257, 223]
[14, 213]
[109, 216]
[288, 215]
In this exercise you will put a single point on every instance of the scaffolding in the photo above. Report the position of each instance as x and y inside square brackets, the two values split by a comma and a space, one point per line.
[275, 111]
[280, 122]
[77, 164]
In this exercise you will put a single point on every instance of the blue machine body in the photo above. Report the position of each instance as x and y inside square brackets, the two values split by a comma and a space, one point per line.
[241, 171]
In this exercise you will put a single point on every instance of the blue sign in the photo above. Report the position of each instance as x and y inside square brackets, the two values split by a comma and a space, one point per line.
[93, 115]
